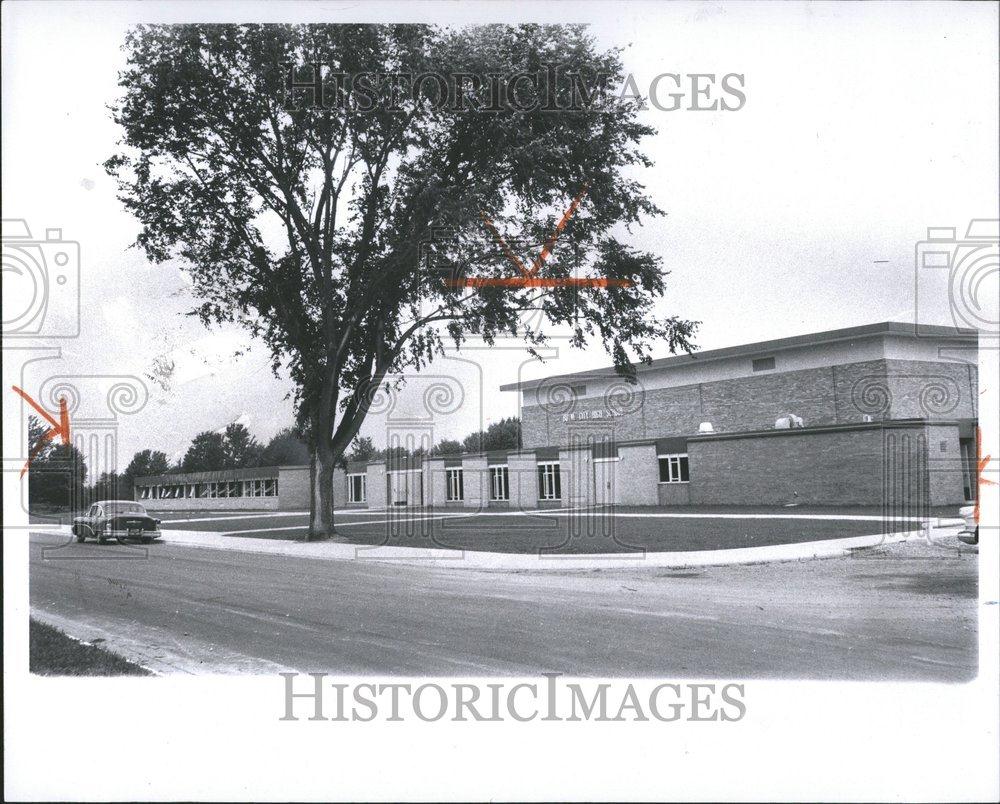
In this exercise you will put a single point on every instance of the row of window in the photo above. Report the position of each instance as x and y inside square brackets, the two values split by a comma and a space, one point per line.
[264, 487]
[672, 468]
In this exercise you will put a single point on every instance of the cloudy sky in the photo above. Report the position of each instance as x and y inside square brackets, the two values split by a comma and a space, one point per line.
[864, 124]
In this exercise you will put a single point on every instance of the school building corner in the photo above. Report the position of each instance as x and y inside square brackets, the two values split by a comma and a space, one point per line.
[877, 415]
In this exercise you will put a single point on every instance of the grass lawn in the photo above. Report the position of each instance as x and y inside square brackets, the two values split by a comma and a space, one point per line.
[52, 653]
[582, 533]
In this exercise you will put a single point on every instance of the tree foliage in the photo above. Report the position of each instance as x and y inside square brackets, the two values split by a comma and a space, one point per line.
[57, 473]
[447, 446]
[147, 462]
[241, 448]
[285, 449]
[317, 227]
[362, 449]
[206, 453]
[504, 434]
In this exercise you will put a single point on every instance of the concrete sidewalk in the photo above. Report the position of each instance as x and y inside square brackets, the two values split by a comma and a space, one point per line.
[481, 560]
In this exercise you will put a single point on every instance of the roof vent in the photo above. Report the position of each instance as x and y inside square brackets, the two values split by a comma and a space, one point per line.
[706, 427]
[788, 422]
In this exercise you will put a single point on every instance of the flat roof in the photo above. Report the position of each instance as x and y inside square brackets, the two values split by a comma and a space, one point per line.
[903, 329]
[213, 475]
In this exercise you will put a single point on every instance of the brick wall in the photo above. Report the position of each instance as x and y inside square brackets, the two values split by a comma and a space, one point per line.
[576, 478]
[293, 488]
[944, 464]
[435, 483]
[475, 479]
[883, 389]
[831, 467]
[636, 476]
[673, 493]
[906, 389]
[376, 485]
[523, 472]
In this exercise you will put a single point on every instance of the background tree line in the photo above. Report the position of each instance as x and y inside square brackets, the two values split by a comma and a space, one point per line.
[58, 477]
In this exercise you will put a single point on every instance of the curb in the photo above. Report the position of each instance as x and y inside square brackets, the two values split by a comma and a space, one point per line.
[481, 560]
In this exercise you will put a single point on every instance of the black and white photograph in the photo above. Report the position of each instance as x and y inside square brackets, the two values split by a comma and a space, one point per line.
[501, 400]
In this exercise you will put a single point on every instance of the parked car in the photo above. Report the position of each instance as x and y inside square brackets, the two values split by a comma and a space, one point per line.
[970, 533]
[116, 519]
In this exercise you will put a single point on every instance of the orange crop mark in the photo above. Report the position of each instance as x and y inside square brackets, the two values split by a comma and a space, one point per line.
[529, 278]
[537, 282]
[547, 248]
[59, 428]
[981, 463]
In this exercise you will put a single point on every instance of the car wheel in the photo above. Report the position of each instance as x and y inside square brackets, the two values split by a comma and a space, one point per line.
[147, 539]
[79, 535]
[101, 539]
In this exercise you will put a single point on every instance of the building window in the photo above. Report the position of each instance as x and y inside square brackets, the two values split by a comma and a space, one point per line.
[499, 483]
[673, 468]
[763, 364]
[271, 487]
[357, 488]
[454, 485]
[548, 482]
[257, 488]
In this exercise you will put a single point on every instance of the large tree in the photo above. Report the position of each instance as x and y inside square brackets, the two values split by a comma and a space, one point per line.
[285, 449]
[322, 221]
[57, 473]
[363, 449]
[504, 434]
[242, 449]
[207, 453]
[143, 464]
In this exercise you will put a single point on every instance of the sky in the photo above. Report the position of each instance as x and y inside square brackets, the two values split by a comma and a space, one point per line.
[864, 124]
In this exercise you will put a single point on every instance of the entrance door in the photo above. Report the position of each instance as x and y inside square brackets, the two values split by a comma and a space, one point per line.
[604, 480]
[406, 487]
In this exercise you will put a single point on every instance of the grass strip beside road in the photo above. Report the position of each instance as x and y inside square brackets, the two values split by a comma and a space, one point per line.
[53, 653]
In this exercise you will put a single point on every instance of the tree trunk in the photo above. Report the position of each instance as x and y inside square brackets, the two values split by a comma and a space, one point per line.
[321, 479]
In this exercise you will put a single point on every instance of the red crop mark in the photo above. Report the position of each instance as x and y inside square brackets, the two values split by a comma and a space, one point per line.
[982, 461]
[529, 278]
[59, 428]
[537, 282]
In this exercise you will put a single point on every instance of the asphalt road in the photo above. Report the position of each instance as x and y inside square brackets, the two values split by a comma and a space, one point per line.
[898, 612]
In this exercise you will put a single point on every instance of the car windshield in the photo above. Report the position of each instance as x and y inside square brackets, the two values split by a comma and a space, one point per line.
[117, 509]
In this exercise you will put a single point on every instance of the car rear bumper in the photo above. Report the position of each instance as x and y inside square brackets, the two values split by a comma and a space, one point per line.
[130, 534]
